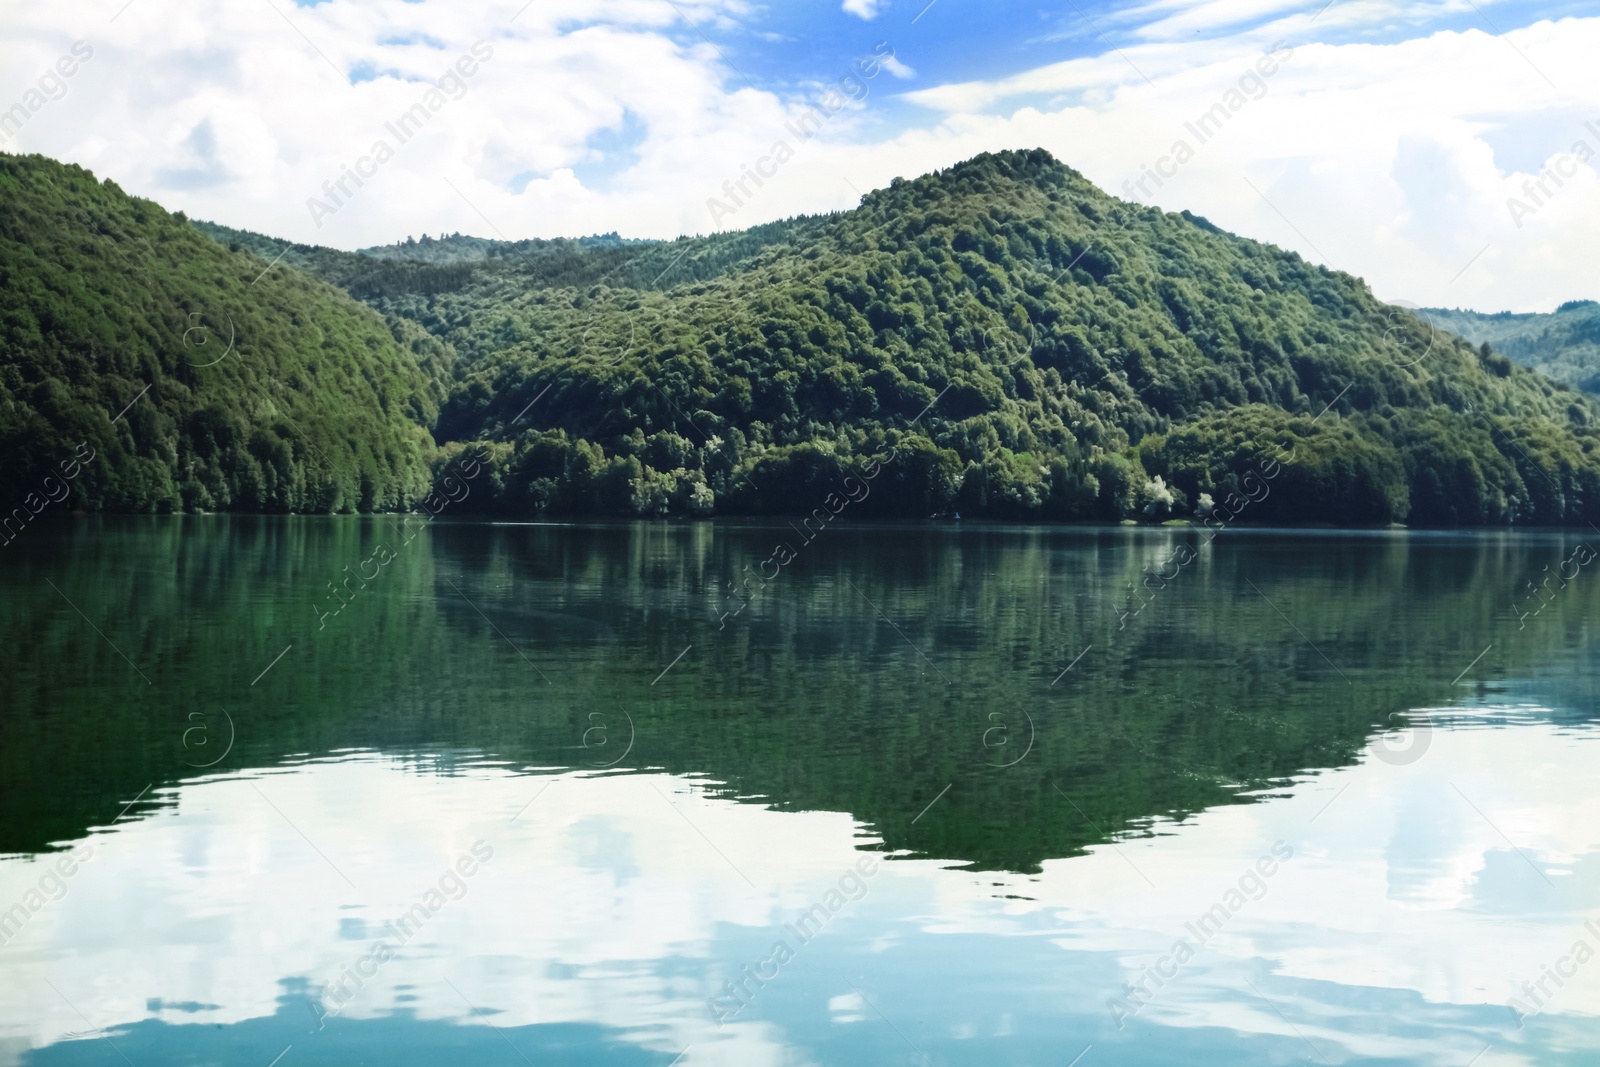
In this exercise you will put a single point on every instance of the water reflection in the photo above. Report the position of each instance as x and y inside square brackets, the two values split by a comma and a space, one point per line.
[525, 798]
[895, 675]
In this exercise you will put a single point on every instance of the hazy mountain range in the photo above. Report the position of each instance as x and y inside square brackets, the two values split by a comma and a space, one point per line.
[1564, 344]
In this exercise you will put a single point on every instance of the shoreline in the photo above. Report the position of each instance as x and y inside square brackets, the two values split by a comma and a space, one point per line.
[776, 519]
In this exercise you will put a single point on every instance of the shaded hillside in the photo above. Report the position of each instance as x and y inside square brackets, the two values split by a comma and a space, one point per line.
[1564, 344]
[194, 377]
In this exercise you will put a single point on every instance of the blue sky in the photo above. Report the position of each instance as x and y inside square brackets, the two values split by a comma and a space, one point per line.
[1417, 143]
[785, 45]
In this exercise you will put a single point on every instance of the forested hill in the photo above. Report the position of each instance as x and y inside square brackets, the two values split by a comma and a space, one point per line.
[145, 367]
[1029, 347]
[1008, 340]
[403, 278]
[1564, 344]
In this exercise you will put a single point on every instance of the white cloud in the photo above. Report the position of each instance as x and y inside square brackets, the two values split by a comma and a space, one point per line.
[897, 68]
[862, 9]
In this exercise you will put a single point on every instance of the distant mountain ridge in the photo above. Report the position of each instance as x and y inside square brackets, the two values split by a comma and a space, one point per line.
[1563, 344]
[457, 247]
[386, 274]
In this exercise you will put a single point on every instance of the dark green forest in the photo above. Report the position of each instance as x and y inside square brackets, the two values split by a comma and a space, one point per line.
[144, 367]
[998, 339]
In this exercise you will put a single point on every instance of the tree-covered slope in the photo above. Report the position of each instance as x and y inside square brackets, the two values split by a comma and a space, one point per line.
[404, 278]
[1564, 344]
[1002, 337]
[193, 375]
[1027, 347]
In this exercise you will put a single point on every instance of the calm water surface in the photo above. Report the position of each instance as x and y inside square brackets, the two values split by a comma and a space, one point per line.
[929, 795]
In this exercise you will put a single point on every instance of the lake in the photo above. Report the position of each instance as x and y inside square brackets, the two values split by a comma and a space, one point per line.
[331, 790]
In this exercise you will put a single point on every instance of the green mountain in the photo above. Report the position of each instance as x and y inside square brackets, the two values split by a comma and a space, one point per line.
[1000, 338]
[1564, 344]
[1022, 344]
[403, 278]
[144, 367]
